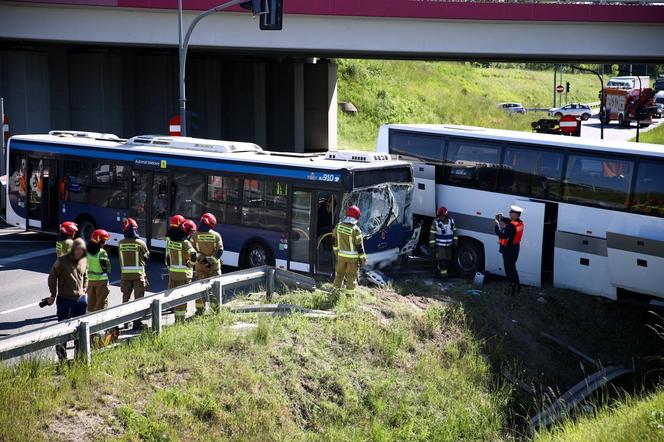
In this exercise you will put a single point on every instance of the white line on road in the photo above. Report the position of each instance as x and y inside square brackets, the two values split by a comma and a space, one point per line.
[22, 241]
[24, 256]
[23, 307]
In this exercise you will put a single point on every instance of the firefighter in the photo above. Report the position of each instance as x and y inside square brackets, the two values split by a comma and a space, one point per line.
[99, 266]
[509, 232]
[442, 239]
[133, 254]
[348, 246]
[67, 283]
[65, 239]
[180, 260]
[210, 247]
[174, 224]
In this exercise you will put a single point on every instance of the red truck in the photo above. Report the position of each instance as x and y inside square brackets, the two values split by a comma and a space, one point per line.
[626, 99]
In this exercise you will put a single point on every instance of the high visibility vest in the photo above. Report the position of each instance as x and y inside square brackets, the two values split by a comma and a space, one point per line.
[208, 244]
[63, 246]
[95, 270]
[518, 226]
[348, 241]
[178, 253]
[442, 233]
[132, 253]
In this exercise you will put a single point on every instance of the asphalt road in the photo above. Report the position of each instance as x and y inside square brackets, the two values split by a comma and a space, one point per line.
[25, 260]
[591, 129]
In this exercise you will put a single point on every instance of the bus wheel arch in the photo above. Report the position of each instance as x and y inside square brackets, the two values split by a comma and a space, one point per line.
[469, 257]
[86, 225]
[256, 252]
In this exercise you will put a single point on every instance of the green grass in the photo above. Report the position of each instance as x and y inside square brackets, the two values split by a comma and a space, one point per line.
[442, 92]
[631, 421]
[380, 371]
[655, 136]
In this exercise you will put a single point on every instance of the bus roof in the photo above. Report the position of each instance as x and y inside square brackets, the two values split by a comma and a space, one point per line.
[609, 146]
[219, 150]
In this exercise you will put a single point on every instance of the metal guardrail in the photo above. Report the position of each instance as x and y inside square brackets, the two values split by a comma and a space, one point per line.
[150, 307]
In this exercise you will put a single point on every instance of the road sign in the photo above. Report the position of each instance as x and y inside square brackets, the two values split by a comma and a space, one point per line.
[174, 128]
[568, 124]
[560, 88]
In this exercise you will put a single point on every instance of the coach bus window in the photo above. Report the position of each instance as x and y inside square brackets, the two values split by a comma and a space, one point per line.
[599, 181]
[472, 165]
[531, 172]
[419, 147]
[264, 204]
[188, 194]
[75, 181]
[17, 180]
[649, 189]
[223, 197]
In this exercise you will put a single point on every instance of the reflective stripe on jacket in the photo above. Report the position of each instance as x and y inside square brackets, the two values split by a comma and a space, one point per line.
[208, 244]
[95, 270]
[63, 246]
[348, 241]
[133, 253]
[442, 234]
[178, 255]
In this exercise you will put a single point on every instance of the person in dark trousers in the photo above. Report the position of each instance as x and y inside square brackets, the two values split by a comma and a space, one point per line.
[510, 232]
[68, 282]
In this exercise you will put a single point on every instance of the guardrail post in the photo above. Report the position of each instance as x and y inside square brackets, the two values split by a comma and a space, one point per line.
[217, 295]
[84, 349]
[155, 308]
[269, 283]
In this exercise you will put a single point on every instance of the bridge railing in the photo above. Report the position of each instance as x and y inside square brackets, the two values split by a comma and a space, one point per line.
[219, 289]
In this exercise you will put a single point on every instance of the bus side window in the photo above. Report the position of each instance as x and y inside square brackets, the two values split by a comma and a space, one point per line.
[598, 181]
[414, 146]
[649, 189]
[189, 195]
[472, 164]
[223, 198]
[531, 172]
[75, 181]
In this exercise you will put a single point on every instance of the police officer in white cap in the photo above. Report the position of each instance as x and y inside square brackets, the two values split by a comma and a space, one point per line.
[509, 232]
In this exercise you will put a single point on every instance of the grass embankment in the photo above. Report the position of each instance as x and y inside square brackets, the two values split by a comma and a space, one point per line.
[382, 370]
[443, 92]
[632, 421]
[655, 136]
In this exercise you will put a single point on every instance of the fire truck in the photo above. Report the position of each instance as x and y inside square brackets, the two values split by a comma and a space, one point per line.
[628, 99]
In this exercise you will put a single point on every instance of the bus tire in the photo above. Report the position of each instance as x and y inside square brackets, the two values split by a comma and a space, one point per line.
[86, 225]
[469, 257]
[257, 254]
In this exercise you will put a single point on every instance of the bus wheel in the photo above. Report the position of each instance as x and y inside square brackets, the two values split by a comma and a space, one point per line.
[85, 228]
[470, 257]
[257, 255]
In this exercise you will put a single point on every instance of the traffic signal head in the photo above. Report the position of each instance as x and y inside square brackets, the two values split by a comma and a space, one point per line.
[567, 87]
[270, 13]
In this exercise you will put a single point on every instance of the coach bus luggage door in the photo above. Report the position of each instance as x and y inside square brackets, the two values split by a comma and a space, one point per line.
[300, 240]
[529, 264]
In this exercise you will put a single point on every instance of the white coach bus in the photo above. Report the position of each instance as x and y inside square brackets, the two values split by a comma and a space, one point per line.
[593, 210]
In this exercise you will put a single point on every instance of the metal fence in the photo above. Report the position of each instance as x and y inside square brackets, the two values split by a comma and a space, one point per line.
[219, 289]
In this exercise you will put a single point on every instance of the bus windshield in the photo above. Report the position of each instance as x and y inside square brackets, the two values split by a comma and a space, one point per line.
[381, 205]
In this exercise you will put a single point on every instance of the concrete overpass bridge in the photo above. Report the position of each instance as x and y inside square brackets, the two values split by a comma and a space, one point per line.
[117, 50]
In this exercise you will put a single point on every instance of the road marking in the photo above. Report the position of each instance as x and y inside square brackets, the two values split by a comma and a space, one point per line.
[22, 241]
[23, 307]
[24, 256]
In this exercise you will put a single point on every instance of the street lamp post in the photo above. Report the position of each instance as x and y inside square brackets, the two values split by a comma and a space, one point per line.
[602, 107]
[183, 45]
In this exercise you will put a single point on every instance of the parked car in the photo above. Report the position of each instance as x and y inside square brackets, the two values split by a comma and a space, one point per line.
[515, 108]
[578, 110]
[659, 102]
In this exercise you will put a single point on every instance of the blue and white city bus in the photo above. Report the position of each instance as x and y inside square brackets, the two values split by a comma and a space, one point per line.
[272, 208]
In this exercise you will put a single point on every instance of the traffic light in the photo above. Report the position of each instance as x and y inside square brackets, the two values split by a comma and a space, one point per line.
[270, 13]
[567, 87]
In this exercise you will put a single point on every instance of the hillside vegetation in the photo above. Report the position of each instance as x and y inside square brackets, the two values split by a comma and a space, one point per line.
[443, 92]
[655, 136]
[385, 369]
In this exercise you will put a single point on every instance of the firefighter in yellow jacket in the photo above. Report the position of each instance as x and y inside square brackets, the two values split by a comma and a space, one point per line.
[180, 259]
[99, 266]
[133, 254]
[348, 246]
[210, 247]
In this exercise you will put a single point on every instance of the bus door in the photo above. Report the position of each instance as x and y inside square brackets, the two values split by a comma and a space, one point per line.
[300, 239]
[42, 194]
[151, 205]
[529, 264]
[327, 213]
